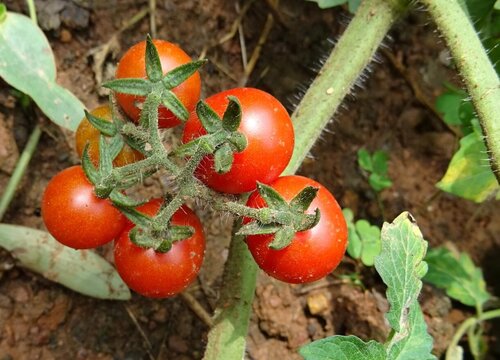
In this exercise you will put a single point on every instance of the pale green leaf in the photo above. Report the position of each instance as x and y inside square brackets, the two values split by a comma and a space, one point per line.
[325, 4]
[343, 348]
[354, 246]
[469, 174]
[401, 267]
[414, 342]
[497, 5]
[379, 182]
[365, 160]
[370, 239]
[27, 64]
[80, 270]
[457, 275]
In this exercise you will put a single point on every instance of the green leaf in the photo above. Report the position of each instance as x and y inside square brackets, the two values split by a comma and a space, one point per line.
[223, 159]
[208, 118]
[379, 182]
[325, 4]
[448, 104]
[354, 245]
[3, 12]
[469, 174]
[497, 5]
[27, 64]
[80, 270]
[380, 160]
[177, 76]
[232, 116]
[343, 348]
[370, 240]
[457, 275]
[153, 63]
[415, 342]
[365, 160]
[132, 86]
[105, 127]
[172, 102]
[401, 267]
[272, 198]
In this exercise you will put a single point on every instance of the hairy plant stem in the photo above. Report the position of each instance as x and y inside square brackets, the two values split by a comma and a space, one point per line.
[226, 339]
[475, 67]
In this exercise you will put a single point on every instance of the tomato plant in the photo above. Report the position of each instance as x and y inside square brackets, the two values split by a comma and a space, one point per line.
[270, 139]
[75, 216]
[156, 274]
[86, 133]
[133, 65]
[313, 253]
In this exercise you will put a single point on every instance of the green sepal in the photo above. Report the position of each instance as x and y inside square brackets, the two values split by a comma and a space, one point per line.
[175, 233]
[309, 221]
[153, 63]
[282, 238]
[139, 238]
[132, 86]
[177, 76]
[223, 159]
[105, 159]
[138, 218]
[88, 167]
[209, 119]
[3, 12]
[172, 102]
[239, 141]
[105, 127]
[115, 146]
[272, 198]
[232, 116]
[121, 200]
[304, 198]
[257, 228]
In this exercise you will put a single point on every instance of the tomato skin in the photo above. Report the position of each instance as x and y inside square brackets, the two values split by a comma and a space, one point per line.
[75, 216]
[87, 133]
[269, 132]
[133, 65]
[159, 275]
[313, 253]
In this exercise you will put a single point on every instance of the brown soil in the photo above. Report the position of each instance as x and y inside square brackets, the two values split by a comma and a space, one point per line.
[42, 320]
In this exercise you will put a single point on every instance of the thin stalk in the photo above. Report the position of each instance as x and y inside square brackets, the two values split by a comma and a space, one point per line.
[32, 10]
[19, 171]
[475, 67]
[226, 340]
[462, 329]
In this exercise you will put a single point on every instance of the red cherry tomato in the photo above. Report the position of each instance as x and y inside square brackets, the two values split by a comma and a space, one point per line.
[86, 133]
[313, 253]
[75, 216]
[269, 132]
[158, 275]
[133, 65]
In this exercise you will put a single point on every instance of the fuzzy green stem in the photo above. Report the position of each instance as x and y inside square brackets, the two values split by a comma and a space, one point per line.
[349, 58]
[464, 327]
[226, 340]
[20, 169]
[475, 67]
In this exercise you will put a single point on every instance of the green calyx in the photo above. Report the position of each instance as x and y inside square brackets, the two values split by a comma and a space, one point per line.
[281, 218]
[158, 84]
[222, 138]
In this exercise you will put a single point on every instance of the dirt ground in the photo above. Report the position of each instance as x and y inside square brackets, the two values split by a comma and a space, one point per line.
[42, 320]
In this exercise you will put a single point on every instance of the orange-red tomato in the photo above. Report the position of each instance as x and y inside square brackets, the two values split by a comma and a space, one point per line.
[133, 65]
[75, 216]
[86, 133]
[158, 275]
[269, 133]
[313, 253]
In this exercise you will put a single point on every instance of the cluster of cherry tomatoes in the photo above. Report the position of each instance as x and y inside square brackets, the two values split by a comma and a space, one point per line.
[77, 218]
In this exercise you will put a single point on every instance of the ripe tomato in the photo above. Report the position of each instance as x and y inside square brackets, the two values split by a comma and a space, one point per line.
[133, 65]
[269, 132]
[86, 133]
[75, 216]
[313, 253]
[158, 275]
